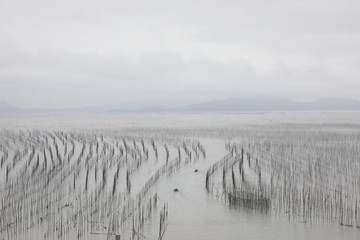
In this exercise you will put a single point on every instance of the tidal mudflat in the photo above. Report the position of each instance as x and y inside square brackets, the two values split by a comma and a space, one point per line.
[180, 176]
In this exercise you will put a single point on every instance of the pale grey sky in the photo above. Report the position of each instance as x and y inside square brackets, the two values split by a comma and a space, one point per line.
[150, 52]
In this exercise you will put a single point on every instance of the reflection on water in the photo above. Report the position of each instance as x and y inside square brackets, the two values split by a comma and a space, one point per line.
[193, 212]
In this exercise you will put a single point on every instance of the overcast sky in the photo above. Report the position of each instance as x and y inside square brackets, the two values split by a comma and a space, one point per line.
[150, 52]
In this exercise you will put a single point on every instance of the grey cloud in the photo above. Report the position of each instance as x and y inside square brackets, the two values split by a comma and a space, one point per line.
[176, 52]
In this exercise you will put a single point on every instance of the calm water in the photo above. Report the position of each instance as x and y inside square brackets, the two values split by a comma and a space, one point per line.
[194, 213]
[178, 120]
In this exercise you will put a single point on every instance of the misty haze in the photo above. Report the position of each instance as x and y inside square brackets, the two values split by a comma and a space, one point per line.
[176, 120]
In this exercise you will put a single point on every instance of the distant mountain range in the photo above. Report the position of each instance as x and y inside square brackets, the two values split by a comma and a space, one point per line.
[261, 104]
[224, 105]
[275, 104]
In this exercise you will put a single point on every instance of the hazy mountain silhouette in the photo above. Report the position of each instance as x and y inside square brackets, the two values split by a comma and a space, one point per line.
[264, 104]
[274, 104]
[244, 104]
[224, 105]
[6, 107]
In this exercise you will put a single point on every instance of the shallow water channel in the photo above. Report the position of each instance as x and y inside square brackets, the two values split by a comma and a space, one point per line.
[196, 214]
